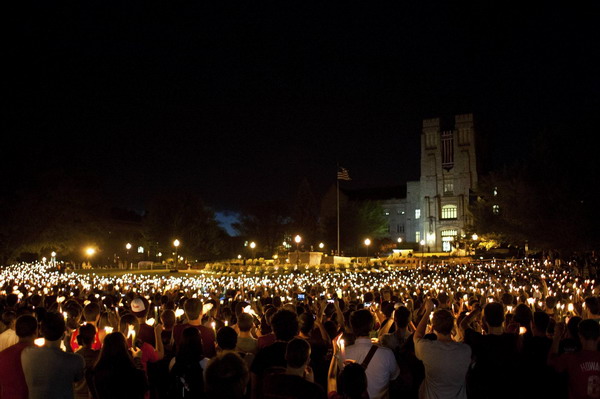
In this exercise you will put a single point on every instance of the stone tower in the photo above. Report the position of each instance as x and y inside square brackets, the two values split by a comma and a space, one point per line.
[448, 173]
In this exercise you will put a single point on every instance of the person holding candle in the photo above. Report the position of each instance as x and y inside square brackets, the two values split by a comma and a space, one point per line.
[379, 362]
[50, 372]
[446, 362]
[193, 311]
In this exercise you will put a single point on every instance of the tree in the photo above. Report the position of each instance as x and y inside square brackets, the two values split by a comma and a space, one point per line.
[184, 216]
[266, 223]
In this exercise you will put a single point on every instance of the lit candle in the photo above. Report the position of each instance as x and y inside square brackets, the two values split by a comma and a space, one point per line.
[214, 326]
[342, 349]
[39, 342]
[150, 321]
[131, 333]
[108, 329]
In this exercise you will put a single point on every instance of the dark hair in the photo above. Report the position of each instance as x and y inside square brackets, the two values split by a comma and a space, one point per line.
[443, 321]
[352, 382]
[443, 298]
[190, 348]
[245, 322]
[573, 326]
[53, 326]
[168, 318]
[126, 320]
[297, 353]
[193, 308]
[306, 322]
[91, 311]
[8, 316]
[589, 329]
[284, 324]
[541, 320]
[592, 304]
[227, 338]
[493, 314]
[87, 334]
[227, 376]
[361, 322]
[507, 299]
[402, 317]
[26, 326]
[114, 354]
[523, 315]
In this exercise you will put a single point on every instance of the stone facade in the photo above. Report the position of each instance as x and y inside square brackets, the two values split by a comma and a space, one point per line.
[435, 210]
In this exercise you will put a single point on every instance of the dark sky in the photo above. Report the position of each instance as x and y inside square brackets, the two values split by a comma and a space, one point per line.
[240, 101]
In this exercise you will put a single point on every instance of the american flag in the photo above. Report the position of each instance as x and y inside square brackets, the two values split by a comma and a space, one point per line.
[343, 174]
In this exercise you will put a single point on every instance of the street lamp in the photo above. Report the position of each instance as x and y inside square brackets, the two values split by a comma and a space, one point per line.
[321, 246]
[90, 252]
[298, 239]
[176, 244]
[367, 243]
[422, 242]
[53, 259]
[128, 247]
[252, 247]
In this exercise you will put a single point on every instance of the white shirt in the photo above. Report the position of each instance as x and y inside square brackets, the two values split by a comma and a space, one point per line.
[8, 338]
[381, 370]
[446, 365]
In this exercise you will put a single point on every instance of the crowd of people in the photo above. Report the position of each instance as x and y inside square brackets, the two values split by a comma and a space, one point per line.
[489, 329]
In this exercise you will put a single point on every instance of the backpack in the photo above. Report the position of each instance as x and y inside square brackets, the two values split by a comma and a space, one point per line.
[186, 380]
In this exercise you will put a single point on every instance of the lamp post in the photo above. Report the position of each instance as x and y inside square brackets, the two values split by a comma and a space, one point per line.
[252, 247]
[128, 247]
[367, 243]
[475, 237]
[321, 246]
[297, 239]
[176, 244]
[53, 259]
[90, 252]
[422, 242]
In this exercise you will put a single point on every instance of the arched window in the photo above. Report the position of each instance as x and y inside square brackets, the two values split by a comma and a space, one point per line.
[449, 212]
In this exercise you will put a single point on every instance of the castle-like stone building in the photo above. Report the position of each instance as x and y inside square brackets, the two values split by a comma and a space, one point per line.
[434, 211]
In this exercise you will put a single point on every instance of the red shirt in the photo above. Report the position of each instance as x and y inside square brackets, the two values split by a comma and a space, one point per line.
[96, 345]
[583, 369]
[207, 334]
[265, 340]
[12, 379]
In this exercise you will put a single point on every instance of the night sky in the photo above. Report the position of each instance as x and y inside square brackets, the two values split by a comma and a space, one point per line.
[240, 101]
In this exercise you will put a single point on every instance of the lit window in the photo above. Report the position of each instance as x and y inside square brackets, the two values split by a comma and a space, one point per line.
[496, 209]
[448, 187]
[417, 214]
[449, 212]
[417, 236]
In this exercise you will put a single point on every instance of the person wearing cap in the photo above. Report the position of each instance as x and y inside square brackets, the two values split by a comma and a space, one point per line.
[139, 308]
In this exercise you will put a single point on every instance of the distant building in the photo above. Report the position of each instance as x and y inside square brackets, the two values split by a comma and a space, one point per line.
[434, 209]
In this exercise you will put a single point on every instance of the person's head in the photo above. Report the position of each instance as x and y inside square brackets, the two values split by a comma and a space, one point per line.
[193, 308]
[361, 322]
[9, 317]
[190, 346]
[387, 308]
[402, 317]
[444, 299]
[127, 323]
[239, 308]
[86, 336]
[91, 312]
[53, 326]
[245, 322]
[589, 330]
[493, 314]
[523, 315]
[541, 321]
[114, 354]
[306, 323]
[592, 305]
[26, 326]
[168, 319]
[139, 307]
[550, 302]
[227, 376]
[352, 382]
[297, 353]
[442, 322]
[227, 338]
[507, 299]
[285, 325]
[573, 326]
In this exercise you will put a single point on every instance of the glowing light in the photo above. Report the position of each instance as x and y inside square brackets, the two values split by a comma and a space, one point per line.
[39, 342]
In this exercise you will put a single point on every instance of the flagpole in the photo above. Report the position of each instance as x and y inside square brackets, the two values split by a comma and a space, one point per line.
[338, 214]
